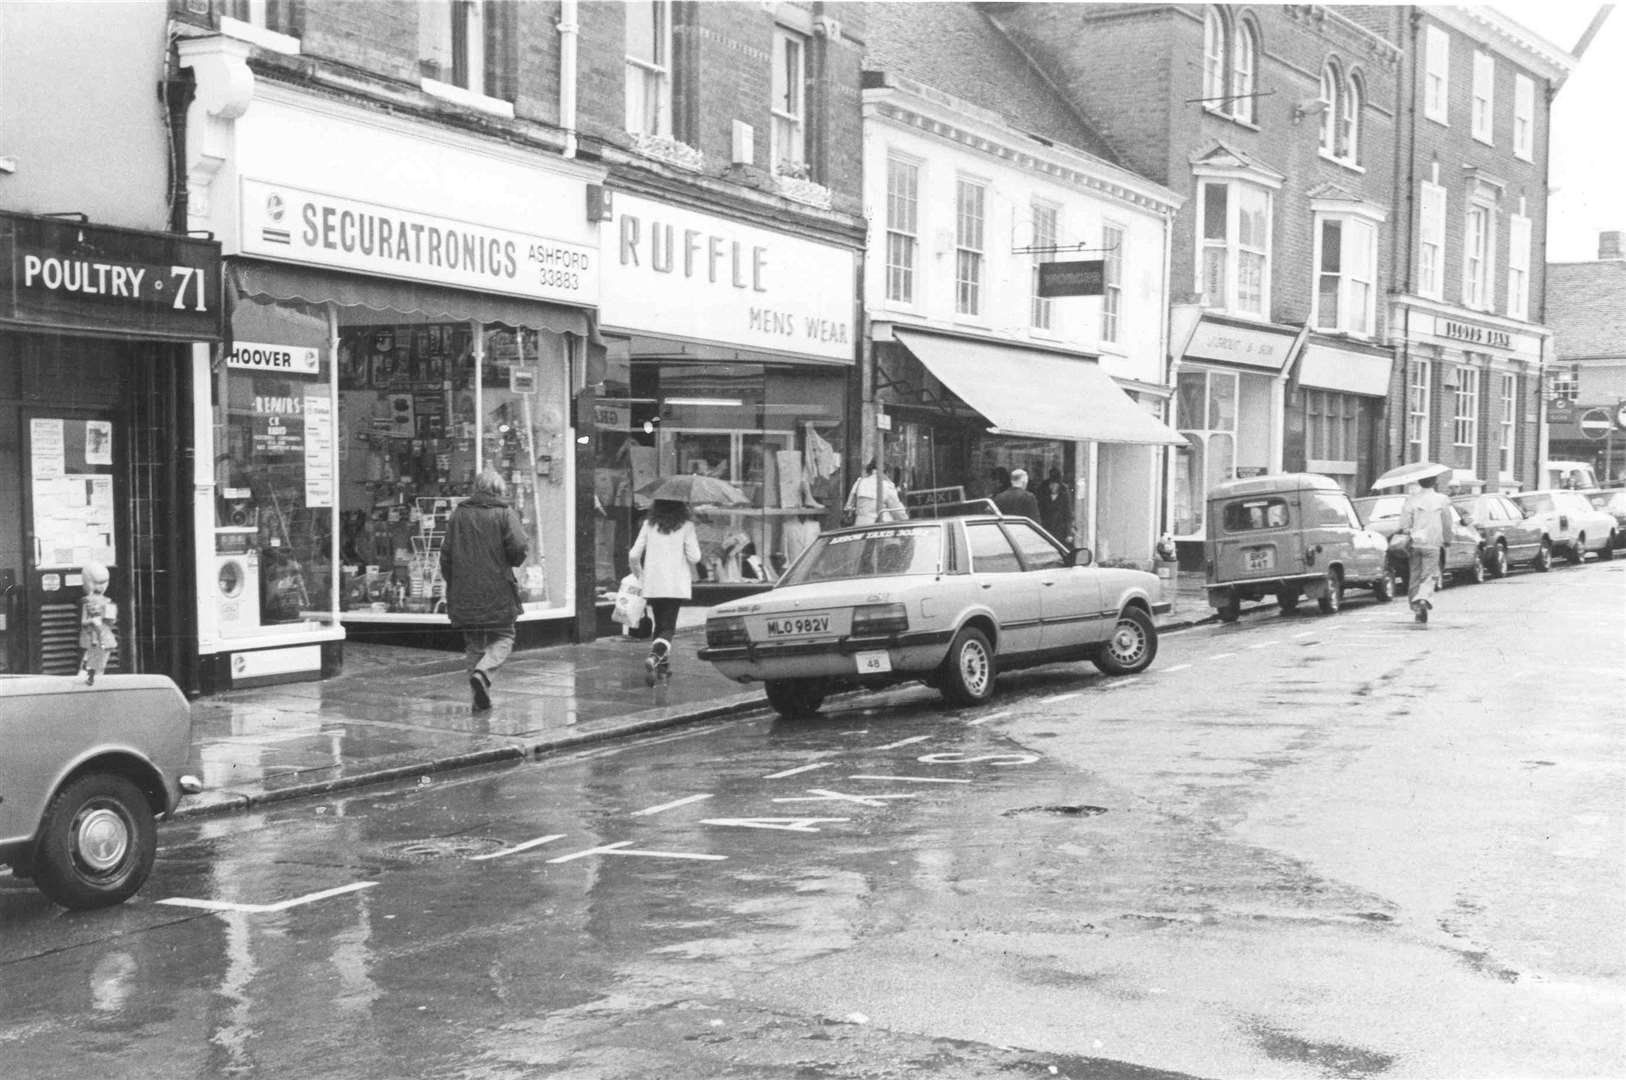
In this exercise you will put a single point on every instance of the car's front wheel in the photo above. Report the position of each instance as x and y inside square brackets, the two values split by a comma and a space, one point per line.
[1498, 560]
[1332, 597]
[96, 844]
[1608, 550]
[1576, 552]
[1132, 646]
[1476, 572]
[1287, 600]
[1383, 590]
[968, 669]
[791, 698]
[1543, 561]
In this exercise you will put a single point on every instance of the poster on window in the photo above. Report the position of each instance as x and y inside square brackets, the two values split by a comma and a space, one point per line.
[277, 413]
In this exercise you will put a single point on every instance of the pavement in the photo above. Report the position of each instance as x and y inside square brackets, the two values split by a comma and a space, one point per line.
[397, 712]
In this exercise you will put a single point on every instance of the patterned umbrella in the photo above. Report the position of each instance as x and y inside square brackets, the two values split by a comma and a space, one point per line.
[695, 490]
[1401, 475]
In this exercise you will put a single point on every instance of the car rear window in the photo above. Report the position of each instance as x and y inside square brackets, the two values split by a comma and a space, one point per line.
[1247, 515]
[907, 549]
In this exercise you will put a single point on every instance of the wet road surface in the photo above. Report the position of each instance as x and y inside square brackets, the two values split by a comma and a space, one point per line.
[1297, 847]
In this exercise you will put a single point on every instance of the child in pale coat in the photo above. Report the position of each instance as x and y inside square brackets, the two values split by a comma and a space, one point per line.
[98, 622]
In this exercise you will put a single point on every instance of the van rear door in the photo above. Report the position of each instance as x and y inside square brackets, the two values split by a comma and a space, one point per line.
[1255, 538]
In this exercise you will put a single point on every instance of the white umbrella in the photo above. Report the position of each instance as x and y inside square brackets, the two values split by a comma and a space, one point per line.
[1401, 475]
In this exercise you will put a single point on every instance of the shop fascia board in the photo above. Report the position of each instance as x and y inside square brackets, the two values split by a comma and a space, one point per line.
[912, 105]
[1445, 310]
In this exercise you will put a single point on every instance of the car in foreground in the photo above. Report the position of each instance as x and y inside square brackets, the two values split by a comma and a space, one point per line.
[86, 773]
[1462, 557]
[1571, 525]
[1511, 539]
[1611, 501]
[949, 602]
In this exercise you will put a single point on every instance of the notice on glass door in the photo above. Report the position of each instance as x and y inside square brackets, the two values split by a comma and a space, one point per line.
[47, 448]
[318, 416]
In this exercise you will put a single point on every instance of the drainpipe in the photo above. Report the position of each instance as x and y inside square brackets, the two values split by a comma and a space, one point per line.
[569, 33]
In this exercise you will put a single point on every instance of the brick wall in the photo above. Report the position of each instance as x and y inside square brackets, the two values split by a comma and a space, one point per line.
[377, 36]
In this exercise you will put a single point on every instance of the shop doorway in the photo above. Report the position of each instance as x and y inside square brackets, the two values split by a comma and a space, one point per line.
[70, 509]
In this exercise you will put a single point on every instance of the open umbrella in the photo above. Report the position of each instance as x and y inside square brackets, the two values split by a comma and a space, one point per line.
[695, 490]
[1401, 475]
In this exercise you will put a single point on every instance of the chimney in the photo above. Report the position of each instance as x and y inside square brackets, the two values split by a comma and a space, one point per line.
[1609, 246]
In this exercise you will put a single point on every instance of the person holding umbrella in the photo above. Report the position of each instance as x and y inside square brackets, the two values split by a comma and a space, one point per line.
[663, 557]
[1427, 518]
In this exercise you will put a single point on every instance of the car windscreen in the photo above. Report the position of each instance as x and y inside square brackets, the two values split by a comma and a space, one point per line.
[907, 549]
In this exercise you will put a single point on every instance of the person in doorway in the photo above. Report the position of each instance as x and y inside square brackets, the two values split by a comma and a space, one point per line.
[1017, 500]
[663, 557]
[1426, 518]
[485, 540]
[998, 480]
[1056, 507]
[874, 498]
[98, 622]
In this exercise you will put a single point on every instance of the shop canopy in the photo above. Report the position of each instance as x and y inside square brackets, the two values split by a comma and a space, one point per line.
[1038, 395]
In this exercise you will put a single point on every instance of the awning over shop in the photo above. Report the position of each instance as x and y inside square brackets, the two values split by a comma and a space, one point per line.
[312, 286]
[1038, 395]
[1327, 367]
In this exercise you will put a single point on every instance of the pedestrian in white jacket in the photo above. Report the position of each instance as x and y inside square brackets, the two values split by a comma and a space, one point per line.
[663, 557]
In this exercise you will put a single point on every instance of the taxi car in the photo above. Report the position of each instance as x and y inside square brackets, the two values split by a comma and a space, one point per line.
[950, 602]
[1510, 537]
[1571, 525]
[86, 773]
[1290, 535]
[1462, 558]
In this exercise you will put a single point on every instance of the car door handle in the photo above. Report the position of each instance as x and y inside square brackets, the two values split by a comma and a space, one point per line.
[1049, 583]
[988, 584]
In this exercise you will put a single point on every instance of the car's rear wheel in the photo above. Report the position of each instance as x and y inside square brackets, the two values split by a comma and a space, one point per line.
[1331, 599]
[1383, 589]
[1608, 550]
[1476, 572]
[1543, 561]
[1230, 608]
[968, 669]
[1576, 552]
[791, 698]
[1498, 560]
[96, 844]
[1287, 600]
[1132, 646]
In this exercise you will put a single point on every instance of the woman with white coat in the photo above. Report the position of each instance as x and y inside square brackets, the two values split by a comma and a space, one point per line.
[663, 557]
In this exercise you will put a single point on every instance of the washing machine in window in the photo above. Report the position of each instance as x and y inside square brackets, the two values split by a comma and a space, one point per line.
[237, 592]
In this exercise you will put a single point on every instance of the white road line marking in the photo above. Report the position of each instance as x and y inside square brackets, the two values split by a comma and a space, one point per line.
[517, 848]
[1177, 667]
[985, 719]
[1221, 656]
[646, 811]
[1304, 633]
[911, 779]
[624, 847]
[825, 795]
[1264, 645]
[262, 909]
[798, 769]
[1053, 698]
[904, 742]
[784, 824]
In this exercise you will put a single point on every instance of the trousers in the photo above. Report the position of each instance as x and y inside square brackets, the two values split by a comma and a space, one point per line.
[485, 648]
[1422, 574]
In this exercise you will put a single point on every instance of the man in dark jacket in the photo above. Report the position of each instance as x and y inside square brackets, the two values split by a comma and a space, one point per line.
[485, 540]
[1017, 500]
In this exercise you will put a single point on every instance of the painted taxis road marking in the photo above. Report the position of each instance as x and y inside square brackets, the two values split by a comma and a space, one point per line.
[1053, 698]
[1222, 656]
[1264, 644]
[957, 758]
[985, 719]
[624, 847]
[904, 742]
[262, 909]
[826, 795]
[798, 769]
[673, 805]
[784, 824]
[1177, 667]
[912, 779]
[517, 848]
[1304, 633]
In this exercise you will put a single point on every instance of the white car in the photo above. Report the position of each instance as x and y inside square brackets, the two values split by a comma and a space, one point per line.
[948, 602]
[1570, 523]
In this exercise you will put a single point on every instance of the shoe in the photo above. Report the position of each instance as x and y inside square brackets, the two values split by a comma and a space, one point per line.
[478, 685]
[652, 669]
[1422, 612]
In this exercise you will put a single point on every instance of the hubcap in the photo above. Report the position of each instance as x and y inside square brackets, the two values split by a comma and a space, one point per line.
[1127, 642]
[974, 667]
[102, 839]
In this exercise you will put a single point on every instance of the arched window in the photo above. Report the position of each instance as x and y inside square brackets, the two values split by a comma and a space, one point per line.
[1230, 64]
[1245, 63]
[1215, 46]
[1331, 83]
[1349, 141]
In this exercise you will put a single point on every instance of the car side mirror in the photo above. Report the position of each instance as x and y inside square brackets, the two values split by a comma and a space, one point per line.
[1080, 556]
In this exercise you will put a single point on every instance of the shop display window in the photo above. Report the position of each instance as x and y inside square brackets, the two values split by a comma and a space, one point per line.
[774, 433]
[423, 407]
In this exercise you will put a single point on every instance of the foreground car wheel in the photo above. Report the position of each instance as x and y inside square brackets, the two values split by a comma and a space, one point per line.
[1576, 552]
[1287, 600]
[1132, 646]
[1332, 600]
[97, 843]
[1498, 560]
[968, 670]
[795, 697]
[1383, 590]
[1544, 557]
[1608, 550]
[1476, 572]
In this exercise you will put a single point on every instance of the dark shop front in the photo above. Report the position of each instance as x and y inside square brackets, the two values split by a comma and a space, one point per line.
[96, 325]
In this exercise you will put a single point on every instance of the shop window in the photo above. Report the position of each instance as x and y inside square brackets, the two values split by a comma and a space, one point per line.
[789, 107]
[1045, 229]
[1465, 428]
[1112, 276]
[970, 201]
[1332, 426]
[649, 67]
[1234, 253]
[1206, 409]
[902, 228]
[1510, 401]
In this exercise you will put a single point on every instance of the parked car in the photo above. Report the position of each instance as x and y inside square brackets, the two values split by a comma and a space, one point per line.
[949, 602]
[1570, 523]
[1290, 535]
[1462, 557]
[1611, 501]
[1510, 537]
[86, 772]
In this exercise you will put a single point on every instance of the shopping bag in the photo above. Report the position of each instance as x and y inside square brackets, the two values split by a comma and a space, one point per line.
[629, 602]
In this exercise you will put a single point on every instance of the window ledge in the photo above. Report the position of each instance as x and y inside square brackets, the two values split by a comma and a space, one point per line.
[1344, 163]
[467, 98]
[1528, 158]
[665, 148]
[1484, 140]
[1220, 114]
[1443, 121]
[259, 35]
[803, 191]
